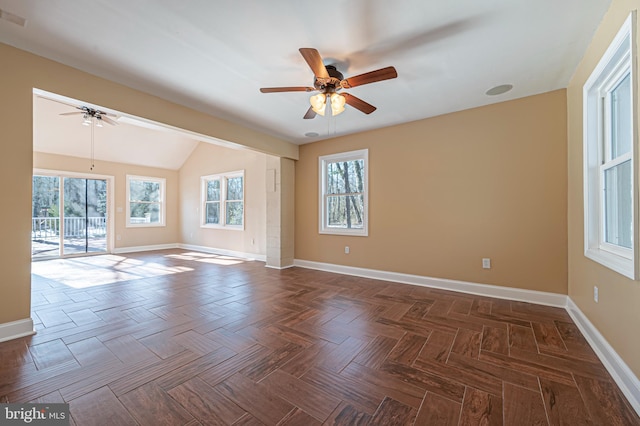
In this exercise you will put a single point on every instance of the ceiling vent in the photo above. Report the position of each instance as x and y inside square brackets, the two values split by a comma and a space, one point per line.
[14, 19]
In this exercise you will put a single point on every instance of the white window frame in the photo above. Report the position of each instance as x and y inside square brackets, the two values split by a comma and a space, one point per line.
[619, 59]
[323, 161]
[162, 202]
[222, 177]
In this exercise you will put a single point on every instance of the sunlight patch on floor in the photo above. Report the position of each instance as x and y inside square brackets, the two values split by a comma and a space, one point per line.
[103, 270]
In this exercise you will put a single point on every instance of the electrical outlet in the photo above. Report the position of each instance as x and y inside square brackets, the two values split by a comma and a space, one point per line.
[595, 294]
[346, 249]
[486, 263]
[118, 237]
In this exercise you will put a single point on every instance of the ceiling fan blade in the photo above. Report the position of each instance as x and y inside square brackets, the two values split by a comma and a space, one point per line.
[286, 89]
[314, 60]
[310, 114]
[358, 103]
[73, 113]
[369, 77]
[108, 120]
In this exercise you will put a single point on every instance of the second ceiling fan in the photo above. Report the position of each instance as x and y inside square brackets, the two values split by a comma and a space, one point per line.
[329, 81]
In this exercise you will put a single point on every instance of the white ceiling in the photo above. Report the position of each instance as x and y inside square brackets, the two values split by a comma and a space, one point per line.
[130, 141]
[215, 55]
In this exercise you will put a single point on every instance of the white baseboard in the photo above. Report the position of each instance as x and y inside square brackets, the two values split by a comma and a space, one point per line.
[16, 329]
[204, 249]
[136, 249]
[279, 268]
[223, 252]
[539, 297]
[620, 372]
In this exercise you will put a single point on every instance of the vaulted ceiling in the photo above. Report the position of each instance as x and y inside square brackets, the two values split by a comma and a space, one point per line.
[215, 55]
[129, 141]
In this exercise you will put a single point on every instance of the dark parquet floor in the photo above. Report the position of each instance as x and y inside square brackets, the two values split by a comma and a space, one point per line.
[183, 338]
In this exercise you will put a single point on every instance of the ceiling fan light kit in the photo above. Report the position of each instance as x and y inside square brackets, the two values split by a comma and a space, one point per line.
[328, 81]
[337, 103]
[318, 103]
[88, 114]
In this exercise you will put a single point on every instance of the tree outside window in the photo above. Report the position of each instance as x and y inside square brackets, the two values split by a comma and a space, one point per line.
[145, 201]
[343, 189]
[223, 200]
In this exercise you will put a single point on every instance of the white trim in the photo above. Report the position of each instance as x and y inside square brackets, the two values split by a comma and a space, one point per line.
[162, 202]
[499, 292]
[16, 329]
[203, 249]
[223, 178]
[111, 189]
[323, 228]
[619, 56]
[224, 252]
[279, 268]
[620, 372]
[135, 249]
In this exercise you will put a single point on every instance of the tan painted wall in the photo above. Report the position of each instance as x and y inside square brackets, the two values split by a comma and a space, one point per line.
[19, 74]
[447, 191]
[616, 315]
[130, 237]
[209, 159]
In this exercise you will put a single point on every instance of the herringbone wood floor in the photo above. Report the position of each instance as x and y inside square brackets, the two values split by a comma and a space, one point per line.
[176, 337]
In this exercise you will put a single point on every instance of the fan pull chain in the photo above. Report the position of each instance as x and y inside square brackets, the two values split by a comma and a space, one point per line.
[92, 146]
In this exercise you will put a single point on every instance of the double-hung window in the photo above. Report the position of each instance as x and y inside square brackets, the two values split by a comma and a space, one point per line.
[223, 200]
[343, 193]
[610, 157]
[145, 201]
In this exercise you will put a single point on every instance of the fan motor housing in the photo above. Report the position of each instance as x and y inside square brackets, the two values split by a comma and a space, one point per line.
[331, 84]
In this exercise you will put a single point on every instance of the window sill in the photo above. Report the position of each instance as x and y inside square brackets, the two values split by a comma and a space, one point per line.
[226, 227]
[612, 261]
[346, 232]
[145, 225]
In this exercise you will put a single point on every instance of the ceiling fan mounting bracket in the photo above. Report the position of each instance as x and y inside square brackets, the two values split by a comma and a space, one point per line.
[330, 84]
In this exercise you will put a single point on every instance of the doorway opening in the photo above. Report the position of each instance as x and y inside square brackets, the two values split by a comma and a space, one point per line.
[70, 215]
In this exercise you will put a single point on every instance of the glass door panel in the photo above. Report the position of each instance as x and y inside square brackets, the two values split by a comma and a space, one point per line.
[45, 216]
[96, 215]
[85, 221]
[75, 216]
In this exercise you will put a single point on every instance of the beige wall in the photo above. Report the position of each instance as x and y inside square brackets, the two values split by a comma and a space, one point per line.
[447, 191]
[20, 73]
[129, 237]
[209, 159]
[616, 314]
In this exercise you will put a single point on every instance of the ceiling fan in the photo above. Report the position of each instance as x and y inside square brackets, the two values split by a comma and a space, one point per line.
[90, 113]
[329, 81]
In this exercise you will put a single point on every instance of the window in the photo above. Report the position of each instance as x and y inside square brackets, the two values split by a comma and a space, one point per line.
[145, 201]
[223, 200]
[343, 193]
[610, 151]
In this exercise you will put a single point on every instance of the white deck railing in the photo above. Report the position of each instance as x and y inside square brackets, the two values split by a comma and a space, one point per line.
[43, 228]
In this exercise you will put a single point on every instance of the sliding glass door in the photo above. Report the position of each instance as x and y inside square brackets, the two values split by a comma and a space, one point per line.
[79, 227]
